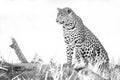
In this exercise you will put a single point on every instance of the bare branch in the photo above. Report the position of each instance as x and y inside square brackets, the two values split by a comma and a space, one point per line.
[18, 51]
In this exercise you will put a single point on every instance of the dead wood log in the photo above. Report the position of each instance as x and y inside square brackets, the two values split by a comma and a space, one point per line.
[13, 70]
[16, 69]
[18, 51]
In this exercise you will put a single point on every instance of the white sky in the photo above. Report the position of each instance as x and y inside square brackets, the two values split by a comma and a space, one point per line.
[33, 24]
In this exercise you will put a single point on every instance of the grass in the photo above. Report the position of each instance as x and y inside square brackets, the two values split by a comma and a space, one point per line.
[55, 71]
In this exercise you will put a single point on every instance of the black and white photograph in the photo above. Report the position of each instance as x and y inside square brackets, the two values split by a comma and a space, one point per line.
[59, 39]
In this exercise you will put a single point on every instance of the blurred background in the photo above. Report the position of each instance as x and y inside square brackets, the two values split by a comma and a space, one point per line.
[33, 24]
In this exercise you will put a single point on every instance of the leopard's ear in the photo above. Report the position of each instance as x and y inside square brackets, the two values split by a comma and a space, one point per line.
[58, 9]
[69, 11]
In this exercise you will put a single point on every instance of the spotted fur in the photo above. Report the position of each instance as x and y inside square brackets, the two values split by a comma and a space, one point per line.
[79, 38]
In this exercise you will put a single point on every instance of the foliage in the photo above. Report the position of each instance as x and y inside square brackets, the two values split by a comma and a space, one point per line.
[55, 71]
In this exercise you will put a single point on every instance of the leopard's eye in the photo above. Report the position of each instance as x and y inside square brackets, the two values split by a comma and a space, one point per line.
[62, 14]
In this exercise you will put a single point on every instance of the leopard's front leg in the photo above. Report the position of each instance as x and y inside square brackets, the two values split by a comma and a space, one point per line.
[69, 52]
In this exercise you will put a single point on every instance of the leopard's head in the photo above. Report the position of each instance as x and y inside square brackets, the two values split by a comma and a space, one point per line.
[66, 17]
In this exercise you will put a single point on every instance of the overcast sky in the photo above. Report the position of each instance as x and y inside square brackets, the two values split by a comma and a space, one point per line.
[33, 24]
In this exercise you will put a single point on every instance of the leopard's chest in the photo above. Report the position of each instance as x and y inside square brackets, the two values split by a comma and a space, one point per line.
[70, 36]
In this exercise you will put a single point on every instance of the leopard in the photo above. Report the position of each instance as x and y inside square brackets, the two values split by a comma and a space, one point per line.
[80, 41]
